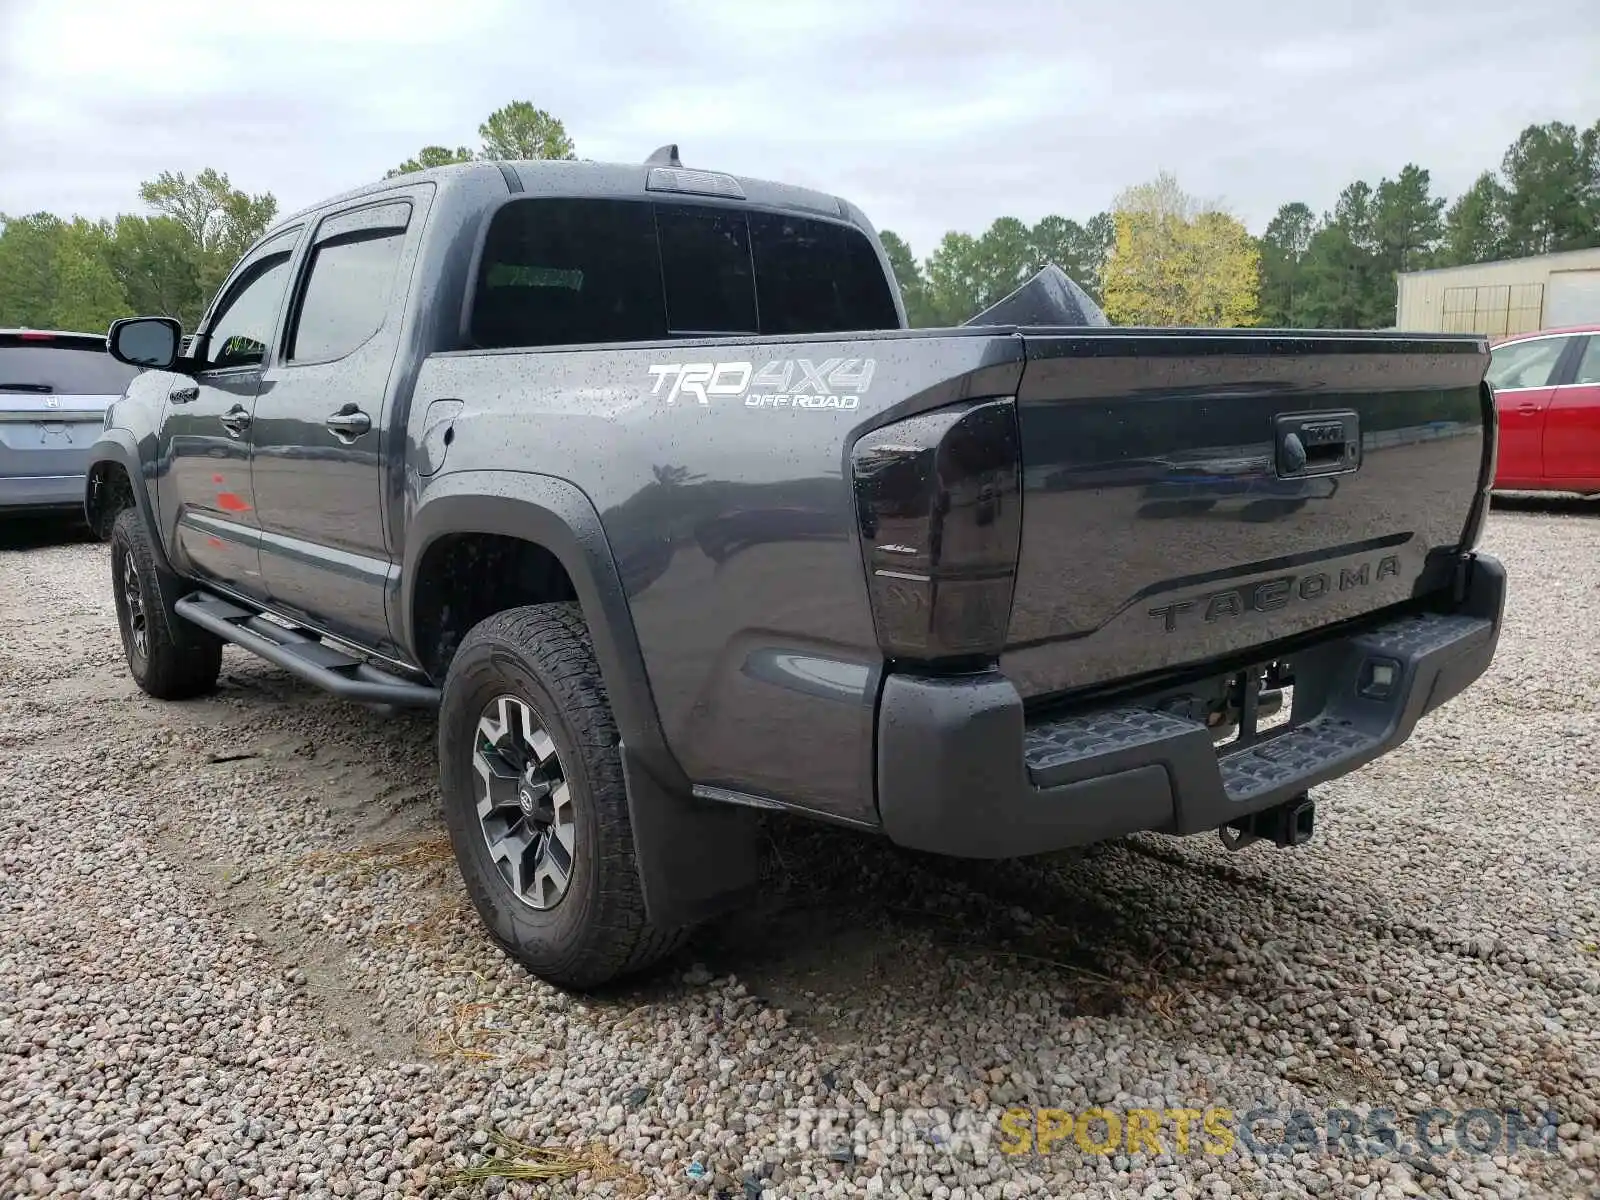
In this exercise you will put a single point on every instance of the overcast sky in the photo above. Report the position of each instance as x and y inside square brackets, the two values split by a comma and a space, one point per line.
[930, 114]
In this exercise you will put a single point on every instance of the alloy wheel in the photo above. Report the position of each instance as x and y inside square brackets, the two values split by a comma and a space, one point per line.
[133, 600]
[524, 802]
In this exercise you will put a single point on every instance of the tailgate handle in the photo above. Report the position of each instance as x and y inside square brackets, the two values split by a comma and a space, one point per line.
[1310, 444]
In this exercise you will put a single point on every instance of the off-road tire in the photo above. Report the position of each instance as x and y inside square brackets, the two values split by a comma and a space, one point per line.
[179, 661]
[598, 931]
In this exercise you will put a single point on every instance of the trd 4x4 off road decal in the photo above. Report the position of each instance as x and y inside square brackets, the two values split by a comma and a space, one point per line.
[793, 383]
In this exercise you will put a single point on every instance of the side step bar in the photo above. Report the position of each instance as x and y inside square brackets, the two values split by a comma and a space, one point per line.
[304, 655]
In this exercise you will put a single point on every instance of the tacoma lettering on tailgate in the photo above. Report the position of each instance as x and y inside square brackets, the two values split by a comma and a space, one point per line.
[1274, 593]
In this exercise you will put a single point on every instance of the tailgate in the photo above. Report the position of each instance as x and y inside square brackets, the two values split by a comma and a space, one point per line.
[1190, 495]
[48, 434]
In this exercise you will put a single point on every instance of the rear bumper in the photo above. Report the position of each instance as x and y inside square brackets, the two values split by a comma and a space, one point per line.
[25, 492]
[960, 770]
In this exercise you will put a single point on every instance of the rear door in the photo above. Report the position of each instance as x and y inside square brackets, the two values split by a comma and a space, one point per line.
[1572, 427]
[206, 498]
[54, 390]
[1522, 373]
[317, 437]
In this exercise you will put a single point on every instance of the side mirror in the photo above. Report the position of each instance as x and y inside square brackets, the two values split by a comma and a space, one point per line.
[145, 341]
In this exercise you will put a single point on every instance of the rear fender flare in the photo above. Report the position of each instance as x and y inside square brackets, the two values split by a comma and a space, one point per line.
[693, 856]
[559, 517]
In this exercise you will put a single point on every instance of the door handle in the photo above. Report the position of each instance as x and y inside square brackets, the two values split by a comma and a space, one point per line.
[183, 395]
[1527, 408]
[236, 420]
[349, 423]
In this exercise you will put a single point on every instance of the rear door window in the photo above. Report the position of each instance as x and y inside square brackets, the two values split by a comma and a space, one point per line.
[1589, 365]
[1528, 364]
[346, 296]
[78, 368]
[349, 281]
[575, 272]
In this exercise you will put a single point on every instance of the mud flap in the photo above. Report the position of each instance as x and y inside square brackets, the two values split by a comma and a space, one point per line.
[695, 858]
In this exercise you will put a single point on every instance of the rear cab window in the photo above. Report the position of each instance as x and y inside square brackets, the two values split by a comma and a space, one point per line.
[45, 365]
[585, 271]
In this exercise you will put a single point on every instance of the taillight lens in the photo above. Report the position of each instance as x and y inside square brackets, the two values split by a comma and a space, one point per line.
[939, 501]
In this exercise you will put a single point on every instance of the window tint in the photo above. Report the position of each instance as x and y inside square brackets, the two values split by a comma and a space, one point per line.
[346, 297]
[64, 369]
[241, 331]
[813, 277]
[559, 272]
[1525, 364]
[1589, 364]
[565, 271]
[705, 263]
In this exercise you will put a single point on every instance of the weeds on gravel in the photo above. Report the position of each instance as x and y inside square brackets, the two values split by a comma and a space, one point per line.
[469, 1038]
[433, 926]
[366, 863]
[400, 856]
[512, 1159]
[518, 1160]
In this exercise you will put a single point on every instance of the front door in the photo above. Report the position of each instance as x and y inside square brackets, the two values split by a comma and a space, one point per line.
[205, 494]
[1521, 373]
[320, 416]
[1572, 428]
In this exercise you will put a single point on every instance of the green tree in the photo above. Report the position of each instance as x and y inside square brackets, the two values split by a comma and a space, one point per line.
[1552, 181]
[153, 259]
[956, 284]
[220, 221]
[88, 295]
[431, 156]
[1079, 250]
[966, 274]
[1407, 220]
[1338, 281]
[54, 275]
[219, 218]
[1352, 212]
[28, 248]
[1475, 225]
[1100, 234]
[908, 274]
[1346, 285]
[1283, 252]
[519, 130]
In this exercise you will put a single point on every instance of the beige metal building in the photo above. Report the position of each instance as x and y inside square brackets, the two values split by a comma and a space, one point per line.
[1514, 296]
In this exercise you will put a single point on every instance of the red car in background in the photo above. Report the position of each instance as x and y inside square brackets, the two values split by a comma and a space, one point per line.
[1547, 393]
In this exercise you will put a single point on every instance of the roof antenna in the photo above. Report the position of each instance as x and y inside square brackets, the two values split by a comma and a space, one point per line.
[665, 156]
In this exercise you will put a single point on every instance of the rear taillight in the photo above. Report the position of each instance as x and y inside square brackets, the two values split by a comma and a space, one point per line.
[939, 501]
[30, 336]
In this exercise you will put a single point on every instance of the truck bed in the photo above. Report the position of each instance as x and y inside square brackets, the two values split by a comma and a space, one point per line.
[1147, 481]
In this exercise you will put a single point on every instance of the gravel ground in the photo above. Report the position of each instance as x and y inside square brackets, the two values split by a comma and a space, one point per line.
[235, 960]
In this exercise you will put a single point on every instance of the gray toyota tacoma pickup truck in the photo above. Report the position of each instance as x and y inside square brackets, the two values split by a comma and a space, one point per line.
[636, 474]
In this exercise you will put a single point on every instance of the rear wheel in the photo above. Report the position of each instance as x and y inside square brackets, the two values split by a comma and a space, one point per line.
[534, 798]
[168, 658]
